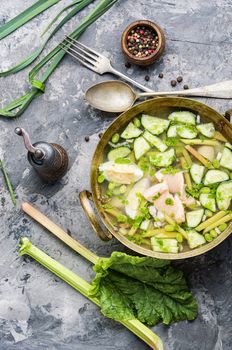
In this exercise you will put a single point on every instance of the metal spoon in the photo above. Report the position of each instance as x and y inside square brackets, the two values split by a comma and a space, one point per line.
[117, 96]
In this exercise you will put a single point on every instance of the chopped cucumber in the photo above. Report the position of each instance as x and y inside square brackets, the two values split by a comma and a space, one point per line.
[228, 145]
[194, 217]
[224, 195]
[163, 159]
[195, 239]
[131, 131]
[119, 152]
[207, 129]
[185, 117]
[166, 245]
[172, 132]
[214, 176]
[187, 131]
[226, 158]
[197, 172]
[208, 201]
[155, 125]
[155, 141]
[141, 146]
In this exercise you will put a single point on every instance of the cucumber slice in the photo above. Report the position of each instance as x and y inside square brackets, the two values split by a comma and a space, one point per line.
[228, 145]
[185, 117]
[119, 152]
[155, 141]
[131, 131]
[187, 131]
[207, 129]
[226, 158]
[194, 217]
[214, 176]
[141, 146]
[155, 125]
[224, 195]
[208, 201]
[195, 239]
[163, 159]
[167, 245]
[172, 132]
[197, 172]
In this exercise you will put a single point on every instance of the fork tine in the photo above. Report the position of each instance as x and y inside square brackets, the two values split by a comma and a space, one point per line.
[85, 47]
[78, 46]
[85, 58]
[90, 66]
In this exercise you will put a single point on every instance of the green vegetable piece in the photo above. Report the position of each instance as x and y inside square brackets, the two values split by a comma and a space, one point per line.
[169, 201]
[208, 237]
[167, 245]
[131, 131]
[119, 152]
[115, 138]
[122, 161]
[123, 189]
[137, 122]
[171, 141]
[216, 163]
[224, 195]
[155, 141]
[163, 159]
[215, 176]
[205, 190]
[122, 218]
[226, 158]
[197, 172]
[213, 233]
[208, 201]
[184, 117]
[222, 227]
[195, 239]
[187, 131]
[194, 217]
[169, 228]
[101, 178]
[207, 129]
[141, 146]
[111, 186]
[208, 213]
[172, 131]
[179, 238]
[154, 125]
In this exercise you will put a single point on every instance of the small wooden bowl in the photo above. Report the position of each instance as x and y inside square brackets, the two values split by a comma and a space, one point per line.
[143, 61]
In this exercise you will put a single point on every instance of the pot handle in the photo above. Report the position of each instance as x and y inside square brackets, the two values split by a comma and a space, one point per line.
[85, 197]
[228, 114]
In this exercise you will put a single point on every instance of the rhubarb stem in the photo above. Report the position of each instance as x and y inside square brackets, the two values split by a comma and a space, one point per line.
[138, 328]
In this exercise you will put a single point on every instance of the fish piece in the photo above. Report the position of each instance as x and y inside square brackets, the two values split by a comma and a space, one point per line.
[175, 182]
[155, 190]
[133, 200]
[171, 205]
[121, 173]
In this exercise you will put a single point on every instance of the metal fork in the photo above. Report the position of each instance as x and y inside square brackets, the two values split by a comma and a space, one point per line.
[94, 60]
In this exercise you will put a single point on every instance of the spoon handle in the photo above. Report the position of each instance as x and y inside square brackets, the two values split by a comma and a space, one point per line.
[218, 90]
[135, 83]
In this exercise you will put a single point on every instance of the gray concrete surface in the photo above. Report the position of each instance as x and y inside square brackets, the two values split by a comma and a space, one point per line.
[38, 311]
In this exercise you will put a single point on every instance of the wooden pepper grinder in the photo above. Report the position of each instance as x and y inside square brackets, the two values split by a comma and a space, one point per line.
[49, 160]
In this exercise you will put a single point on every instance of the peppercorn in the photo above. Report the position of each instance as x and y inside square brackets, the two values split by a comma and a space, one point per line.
[127, 65]
[87, 138]
[179, 79]
[173, 83]
[100, 135]
[147, 78]
[186, 87]
[161, 75]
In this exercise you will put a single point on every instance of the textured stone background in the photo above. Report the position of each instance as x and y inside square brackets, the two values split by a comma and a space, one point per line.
[37, 311]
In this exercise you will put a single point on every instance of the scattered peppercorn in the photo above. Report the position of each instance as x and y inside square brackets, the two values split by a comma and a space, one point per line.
[179, 79]
[100, 135]
[87, 138]
[161, 75]
[186, 87]
[147, 78]
[142, 41]
[127, 65]
[173, 83]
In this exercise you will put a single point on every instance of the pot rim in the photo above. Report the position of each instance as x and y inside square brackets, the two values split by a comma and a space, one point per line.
[114, 127]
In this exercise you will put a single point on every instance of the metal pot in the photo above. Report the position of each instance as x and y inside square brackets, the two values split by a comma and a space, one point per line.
[160, 107]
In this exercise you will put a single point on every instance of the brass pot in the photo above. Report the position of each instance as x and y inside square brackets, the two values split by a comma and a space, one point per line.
[160, 107]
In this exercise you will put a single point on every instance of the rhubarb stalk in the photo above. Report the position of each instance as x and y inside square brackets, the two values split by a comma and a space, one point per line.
[134, 325]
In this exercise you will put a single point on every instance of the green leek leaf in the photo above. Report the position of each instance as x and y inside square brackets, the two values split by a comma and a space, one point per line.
[25, 16]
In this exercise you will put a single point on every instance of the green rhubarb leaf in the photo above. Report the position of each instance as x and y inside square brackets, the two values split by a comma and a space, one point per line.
[146, 288]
